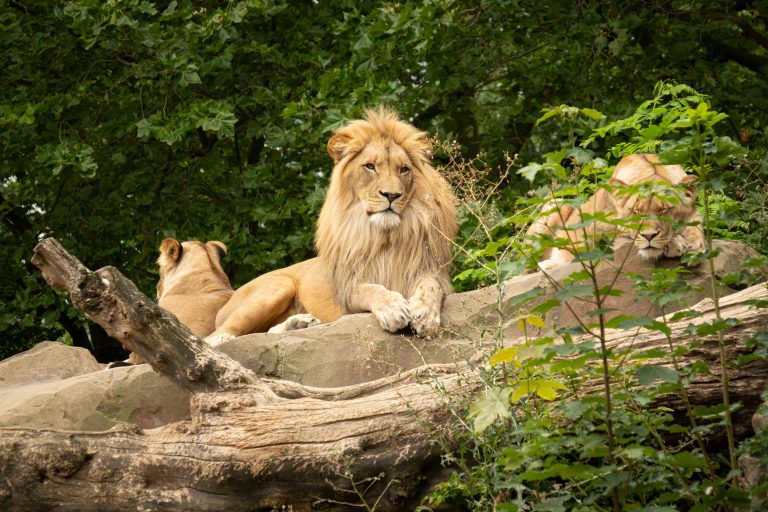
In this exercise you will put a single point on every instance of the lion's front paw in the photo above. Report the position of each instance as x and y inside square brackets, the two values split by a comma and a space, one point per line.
[217, 338]
[676, 247]
[425, 317]
[547, 265]
[394, 314]
[696, 246]
[295, 322]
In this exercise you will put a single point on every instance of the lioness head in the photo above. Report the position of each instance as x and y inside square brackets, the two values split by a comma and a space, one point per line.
[184, 264]
[192, 284]
[377, 158]
[660, 208]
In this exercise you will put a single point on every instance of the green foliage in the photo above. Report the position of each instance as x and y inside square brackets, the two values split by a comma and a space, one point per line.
[125, 122]
[541, 437]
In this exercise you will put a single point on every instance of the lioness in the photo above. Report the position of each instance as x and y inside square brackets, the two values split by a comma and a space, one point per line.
[383, 239]
[192, 284]
[655, 235]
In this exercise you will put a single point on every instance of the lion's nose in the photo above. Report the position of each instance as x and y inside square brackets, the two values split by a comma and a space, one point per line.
[391, 195]
[649, 236]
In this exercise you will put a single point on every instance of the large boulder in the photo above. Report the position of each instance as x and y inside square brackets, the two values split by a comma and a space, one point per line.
[56, 386]
[354, 349]
[351, 350]
[45, 387]
[49, 360]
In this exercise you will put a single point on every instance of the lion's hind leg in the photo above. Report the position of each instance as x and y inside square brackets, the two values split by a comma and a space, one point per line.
[294, 323]
[255, 307]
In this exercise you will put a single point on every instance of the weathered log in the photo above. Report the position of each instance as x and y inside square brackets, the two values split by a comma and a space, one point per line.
[259, 444]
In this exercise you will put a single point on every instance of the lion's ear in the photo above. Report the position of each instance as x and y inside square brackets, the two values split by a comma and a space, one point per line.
[689, 182]
[425, 146]
[170, 251]
[616, 182]
[219, 247]
[337, 146]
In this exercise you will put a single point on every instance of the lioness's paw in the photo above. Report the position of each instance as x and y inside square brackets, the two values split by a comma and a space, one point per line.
[295, 322]
[547, 265]
[696, 246]
[425, 317]
[676, 247]
[216, 339]
[394, 314]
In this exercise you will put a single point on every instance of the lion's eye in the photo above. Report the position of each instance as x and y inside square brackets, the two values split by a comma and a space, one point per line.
[370, 166]
[405, 170]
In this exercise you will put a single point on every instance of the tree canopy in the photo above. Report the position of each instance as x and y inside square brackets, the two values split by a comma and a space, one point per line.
[124, 122]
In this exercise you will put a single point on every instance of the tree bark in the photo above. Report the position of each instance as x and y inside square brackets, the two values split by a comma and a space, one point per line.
[260, 444]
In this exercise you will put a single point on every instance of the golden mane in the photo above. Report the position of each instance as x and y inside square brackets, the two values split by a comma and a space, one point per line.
[358, 252]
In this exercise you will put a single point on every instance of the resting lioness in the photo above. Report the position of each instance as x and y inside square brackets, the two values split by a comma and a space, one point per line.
[192, 284]
[654, 234]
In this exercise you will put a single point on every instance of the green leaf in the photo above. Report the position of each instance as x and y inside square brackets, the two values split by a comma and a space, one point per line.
[363, 42]
[490, 407]
[503, 355]
[636, 452]
[628, 322]
[189, 76]
[687, 459]
[545, 307]
[592, 114]
[549, 472]
[529, 172]
[574, 290]
[575, 409]
[647, 374]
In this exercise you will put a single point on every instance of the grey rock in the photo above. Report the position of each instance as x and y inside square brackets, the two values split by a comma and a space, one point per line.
[48, 360]
[753, 471]
[60, 387]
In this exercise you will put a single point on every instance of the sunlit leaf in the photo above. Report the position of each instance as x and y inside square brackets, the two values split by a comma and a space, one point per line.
[490, 407]
[503, 355]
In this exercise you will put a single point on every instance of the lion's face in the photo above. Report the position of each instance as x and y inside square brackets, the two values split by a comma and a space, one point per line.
[659, 211]
[380, 169]
[381, 177]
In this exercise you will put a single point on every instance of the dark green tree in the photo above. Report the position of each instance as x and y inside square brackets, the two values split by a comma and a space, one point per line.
[124, 122]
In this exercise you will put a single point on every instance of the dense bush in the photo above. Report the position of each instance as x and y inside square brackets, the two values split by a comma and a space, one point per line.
[125, 122]
[567, 422]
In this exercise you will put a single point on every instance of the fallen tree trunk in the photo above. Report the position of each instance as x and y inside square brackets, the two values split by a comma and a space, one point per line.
[258, 444]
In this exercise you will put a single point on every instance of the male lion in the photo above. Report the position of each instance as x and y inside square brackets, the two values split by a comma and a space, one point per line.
[192, 284]
[654, 234]
[383, 239]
